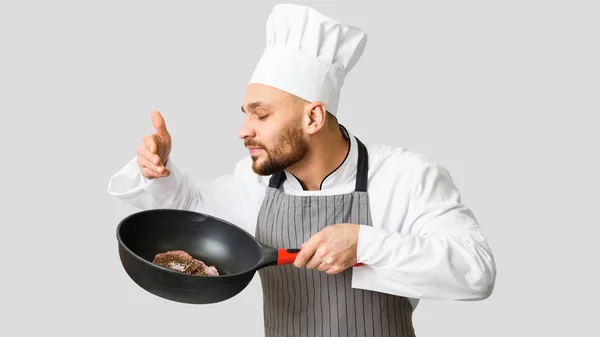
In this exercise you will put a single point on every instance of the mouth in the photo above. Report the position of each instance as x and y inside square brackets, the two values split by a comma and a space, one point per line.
[253, 150]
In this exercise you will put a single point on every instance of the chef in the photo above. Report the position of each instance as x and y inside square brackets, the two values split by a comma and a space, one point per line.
[309, 182]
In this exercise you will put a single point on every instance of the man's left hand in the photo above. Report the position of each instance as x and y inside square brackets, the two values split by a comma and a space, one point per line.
[331, 250]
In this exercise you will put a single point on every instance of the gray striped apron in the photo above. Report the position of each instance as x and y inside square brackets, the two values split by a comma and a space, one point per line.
[304, 302]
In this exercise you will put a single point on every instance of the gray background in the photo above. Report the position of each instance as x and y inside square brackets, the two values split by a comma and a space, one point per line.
[505, 94]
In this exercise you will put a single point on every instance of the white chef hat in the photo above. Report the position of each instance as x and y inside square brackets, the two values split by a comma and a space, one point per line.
[308, 54]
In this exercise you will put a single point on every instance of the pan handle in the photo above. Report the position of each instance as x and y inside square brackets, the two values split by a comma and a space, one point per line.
[287, 256]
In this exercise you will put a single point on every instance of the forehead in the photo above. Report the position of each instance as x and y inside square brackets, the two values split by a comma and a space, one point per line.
[266, 97]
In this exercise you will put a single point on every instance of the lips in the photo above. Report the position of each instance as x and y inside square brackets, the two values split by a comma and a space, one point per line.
[253, 150]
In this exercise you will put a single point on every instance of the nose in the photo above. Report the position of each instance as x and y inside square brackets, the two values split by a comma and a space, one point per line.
[246, 130]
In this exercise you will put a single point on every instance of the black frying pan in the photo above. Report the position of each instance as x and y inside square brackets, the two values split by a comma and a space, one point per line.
[234, 252]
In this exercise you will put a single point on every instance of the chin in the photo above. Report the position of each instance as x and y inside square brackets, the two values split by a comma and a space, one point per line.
[258, 166]
[260, 172]
[263, 168]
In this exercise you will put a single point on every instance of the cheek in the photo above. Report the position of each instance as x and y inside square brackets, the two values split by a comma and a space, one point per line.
[269, 137]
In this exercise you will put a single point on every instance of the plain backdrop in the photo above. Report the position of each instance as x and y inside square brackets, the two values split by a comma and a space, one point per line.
[505, 94]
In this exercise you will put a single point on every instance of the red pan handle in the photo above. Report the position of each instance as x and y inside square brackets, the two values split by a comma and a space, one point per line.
[287, 256]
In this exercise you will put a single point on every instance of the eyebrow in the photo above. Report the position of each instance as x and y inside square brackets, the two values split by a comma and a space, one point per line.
[254, 105]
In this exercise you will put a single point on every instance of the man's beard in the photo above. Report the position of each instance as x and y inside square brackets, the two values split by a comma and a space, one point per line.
[290, 149]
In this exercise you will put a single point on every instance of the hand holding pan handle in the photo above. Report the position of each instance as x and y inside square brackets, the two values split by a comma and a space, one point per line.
[286, 256]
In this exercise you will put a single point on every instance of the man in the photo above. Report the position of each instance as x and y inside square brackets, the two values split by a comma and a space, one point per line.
[310, 182]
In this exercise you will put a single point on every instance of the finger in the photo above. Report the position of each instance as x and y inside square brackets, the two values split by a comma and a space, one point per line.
[306, 253]
[152, 157]
[325, 265]
[149, 174]
[151, 143]
[317, 258]
[159, 124]
[334, 270]
[145, 163]
[316, 264]
[159, 172]
[313, 262]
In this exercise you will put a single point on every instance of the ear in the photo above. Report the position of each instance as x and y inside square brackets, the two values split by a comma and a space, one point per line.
[316, 115]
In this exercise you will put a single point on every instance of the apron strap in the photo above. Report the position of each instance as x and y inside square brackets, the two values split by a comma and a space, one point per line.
[362, 171]
[362, 167]
[277, 179]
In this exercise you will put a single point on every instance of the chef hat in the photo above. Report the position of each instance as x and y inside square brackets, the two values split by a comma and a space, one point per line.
[308, 54]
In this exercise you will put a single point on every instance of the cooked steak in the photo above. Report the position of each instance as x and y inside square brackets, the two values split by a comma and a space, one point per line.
[181, 261]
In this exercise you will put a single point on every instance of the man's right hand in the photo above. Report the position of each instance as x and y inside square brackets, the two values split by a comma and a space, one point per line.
[154, 151]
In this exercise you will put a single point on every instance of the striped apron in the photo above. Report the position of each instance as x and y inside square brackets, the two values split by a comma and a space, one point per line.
[303, 302]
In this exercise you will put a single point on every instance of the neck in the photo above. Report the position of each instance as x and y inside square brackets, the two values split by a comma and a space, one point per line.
[327, 152]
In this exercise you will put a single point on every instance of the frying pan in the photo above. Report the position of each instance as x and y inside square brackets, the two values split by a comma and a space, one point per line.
[235, 253]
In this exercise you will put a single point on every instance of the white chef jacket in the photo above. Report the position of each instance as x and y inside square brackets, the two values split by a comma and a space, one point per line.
[424, 243]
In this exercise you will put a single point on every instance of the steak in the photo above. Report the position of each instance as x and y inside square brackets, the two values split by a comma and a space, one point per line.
[180, 261]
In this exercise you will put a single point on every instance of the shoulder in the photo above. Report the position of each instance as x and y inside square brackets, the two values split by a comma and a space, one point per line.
[402, 165]
[397, 158]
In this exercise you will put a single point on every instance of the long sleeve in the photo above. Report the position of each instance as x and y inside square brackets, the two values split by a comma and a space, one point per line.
[443, 254]
[239, 190]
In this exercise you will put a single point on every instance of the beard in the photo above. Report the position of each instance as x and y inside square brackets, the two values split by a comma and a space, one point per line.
[290, 148]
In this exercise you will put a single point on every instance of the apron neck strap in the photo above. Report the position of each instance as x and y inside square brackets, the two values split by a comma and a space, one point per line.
[362, 167]
[362, 170]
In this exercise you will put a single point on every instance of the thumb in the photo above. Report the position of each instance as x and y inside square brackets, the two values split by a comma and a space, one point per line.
[159, 124]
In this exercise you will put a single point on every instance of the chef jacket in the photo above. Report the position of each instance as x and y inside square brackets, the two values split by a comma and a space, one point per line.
[424, 242]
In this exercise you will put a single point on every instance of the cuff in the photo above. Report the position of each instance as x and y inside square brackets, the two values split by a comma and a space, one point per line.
[127, 182]
[370, 243]
[163, 190]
